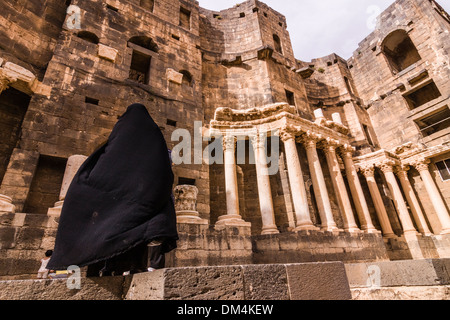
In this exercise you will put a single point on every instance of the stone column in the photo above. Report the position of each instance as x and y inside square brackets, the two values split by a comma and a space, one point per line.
[73, 165]
[264, 190]
[369, 173]
[357, 192]
[402, 174]
[297, 182]
[231, 186]
[319, 185]
[339, 188]
[186, 205]
[436, 199]
[388, 169]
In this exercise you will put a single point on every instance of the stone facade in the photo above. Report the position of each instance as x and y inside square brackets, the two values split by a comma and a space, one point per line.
[363, 170]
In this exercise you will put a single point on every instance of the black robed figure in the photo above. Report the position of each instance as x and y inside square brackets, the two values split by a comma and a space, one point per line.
[120, 199]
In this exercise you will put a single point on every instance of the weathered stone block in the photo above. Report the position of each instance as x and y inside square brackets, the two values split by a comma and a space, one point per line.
[107, 53]
[265, 282]
[307, 281]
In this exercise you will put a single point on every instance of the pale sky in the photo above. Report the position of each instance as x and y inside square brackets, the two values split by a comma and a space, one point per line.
[321, 27]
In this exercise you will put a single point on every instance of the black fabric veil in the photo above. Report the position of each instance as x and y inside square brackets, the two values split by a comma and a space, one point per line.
[120, 198]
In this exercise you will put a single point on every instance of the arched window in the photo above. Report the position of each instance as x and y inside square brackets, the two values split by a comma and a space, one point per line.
[187, 77]
[88, 36]
[277, 43]
[399, 51]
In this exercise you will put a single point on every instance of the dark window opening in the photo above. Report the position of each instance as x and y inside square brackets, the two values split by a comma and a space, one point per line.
[174, 36]
[368, 135]
[185, 18]
[171, 123]
[140, 67]
[88, 36]
[280, 24]
[400, 51]
[255, 9]
[348, 85]
[290, 98]
[444, 169]
[187, 77]
[148, 4]
[186, 181]
[91, 101]
[13, 107]
[242, 15]
[110, 7]
[144, 42]
[277, 43]
[436, 122]
[265, 14]
[423, 95]
[46, 185]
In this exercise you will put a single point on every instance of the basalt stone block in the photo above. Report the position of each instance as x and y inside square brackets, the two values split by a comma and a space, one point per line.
[110, 288]
[318, 281]
[265, 282]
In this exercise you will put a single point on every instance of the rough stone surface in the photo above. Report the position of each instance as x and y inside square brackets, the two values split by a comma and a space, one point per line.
[265, 282]
[403, 293]
[308, 281]
[91, 289]
[400, 273]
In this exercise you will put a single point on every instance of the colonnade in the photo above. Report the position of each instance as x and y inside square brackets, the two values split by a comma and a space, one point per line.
[332, 148]
[391, 170]
[311, 142]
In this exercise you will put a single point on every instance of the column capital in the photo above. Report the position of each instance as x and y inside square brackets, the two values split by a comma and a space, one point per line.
[311, 139]
[346, 151]
[368, 171]
[421, 164]
[402, 171]
[329, 145]
[387, 166]
[287, 133]
[258, 140]
[229, 142]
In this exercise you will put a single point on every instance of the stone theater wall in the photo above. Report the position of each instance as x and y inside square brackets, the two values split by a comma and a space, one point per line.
[364, 161]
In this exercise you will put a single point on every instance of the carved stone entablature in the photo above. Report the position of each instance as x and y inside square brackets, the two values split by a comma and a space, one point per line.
[230, 115]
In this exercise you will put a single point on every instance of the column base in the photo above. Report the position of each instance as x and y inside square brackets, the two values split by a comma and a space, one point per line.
[56, 210]
[353, 230]
[371, 230]
[232, 220]
[390, 236]
[270, 230]
[331, 228]
[6, 204]
[411, 233]
[306, 227]
[190, 217]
